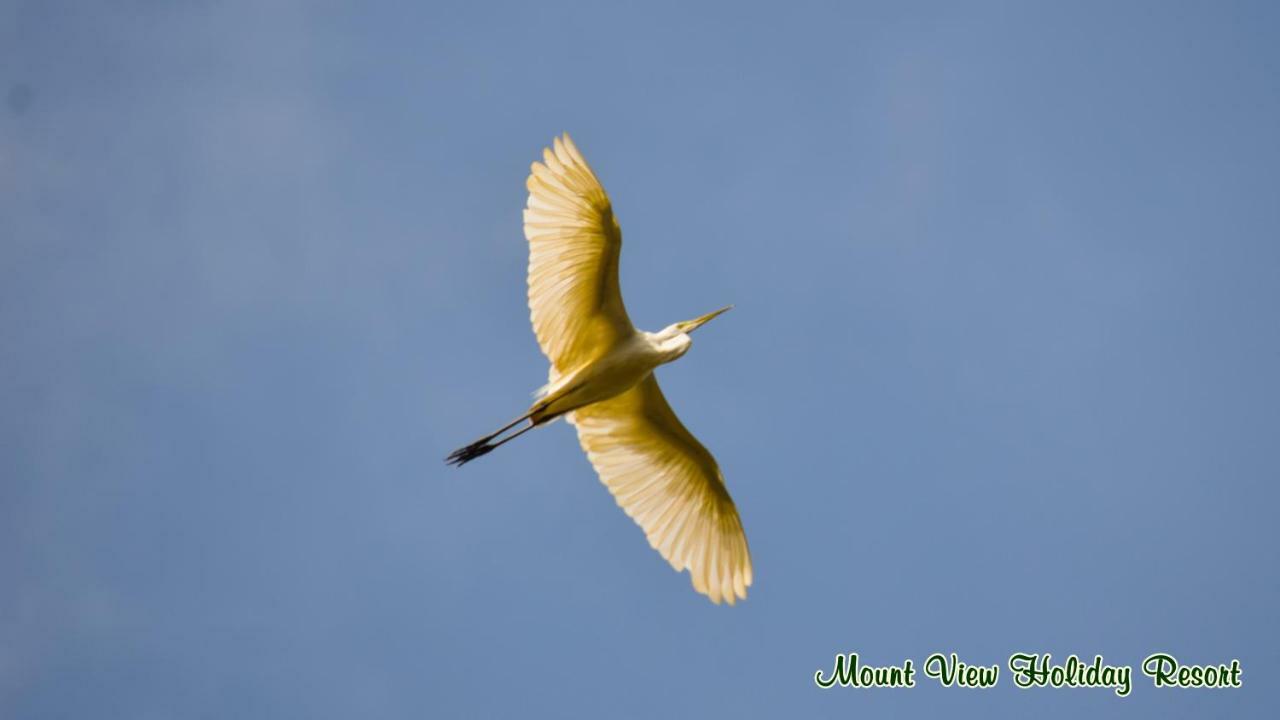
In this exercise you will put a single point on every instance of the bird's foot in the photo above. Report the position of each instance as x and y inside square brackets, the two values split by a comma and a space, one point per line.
[464, 455]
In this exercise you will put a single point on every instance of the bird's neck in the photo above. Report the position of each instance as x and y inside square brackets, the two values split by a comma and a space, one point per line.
[668, 347]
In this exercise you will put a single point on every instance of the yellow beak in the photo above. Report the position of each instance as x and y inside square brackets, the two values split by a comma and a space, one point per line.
[691, 325]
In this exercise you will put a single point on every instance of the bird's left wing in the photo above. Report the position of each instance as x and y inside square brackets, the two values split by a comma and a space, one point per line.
[574, 243]
[670, 485]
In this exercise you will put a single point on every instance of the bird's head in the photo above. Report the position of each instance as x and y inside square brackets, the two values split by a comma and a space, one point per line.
[675, 338]
[689, 326]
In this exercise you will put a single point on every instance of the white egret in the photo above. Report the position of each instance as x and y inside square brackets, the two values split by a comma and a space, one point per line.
[602, 381]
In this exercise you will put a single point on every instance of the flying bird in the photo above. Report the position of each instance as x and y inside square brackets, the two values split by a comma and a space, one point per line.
[601, 381]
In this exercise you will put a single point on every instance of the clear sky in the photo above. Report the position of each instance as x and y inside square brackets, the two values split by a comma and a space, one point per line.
[1001, 376]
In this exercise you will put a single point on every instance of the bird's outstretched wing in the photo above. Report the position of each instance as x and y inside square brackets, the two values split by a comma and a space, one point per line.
[574, 242]
[670, 485]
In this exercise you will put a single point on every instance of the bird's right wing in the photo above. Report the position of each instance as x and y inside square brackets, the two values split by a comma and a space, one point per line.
[574, 243]
[670, 485]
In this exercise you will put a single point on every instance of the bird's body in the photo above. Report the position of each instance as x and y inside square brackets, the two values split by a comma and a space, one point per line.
[602, 381]
[620, 367]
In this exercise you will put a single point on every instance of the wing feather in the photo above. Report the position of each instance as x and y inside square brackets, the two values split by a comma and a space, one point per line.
[575, 303]
[670, 484]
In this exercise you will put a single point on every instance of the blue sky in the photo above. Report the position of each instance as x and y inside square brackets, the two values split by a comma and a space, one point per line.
[1001, 375]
